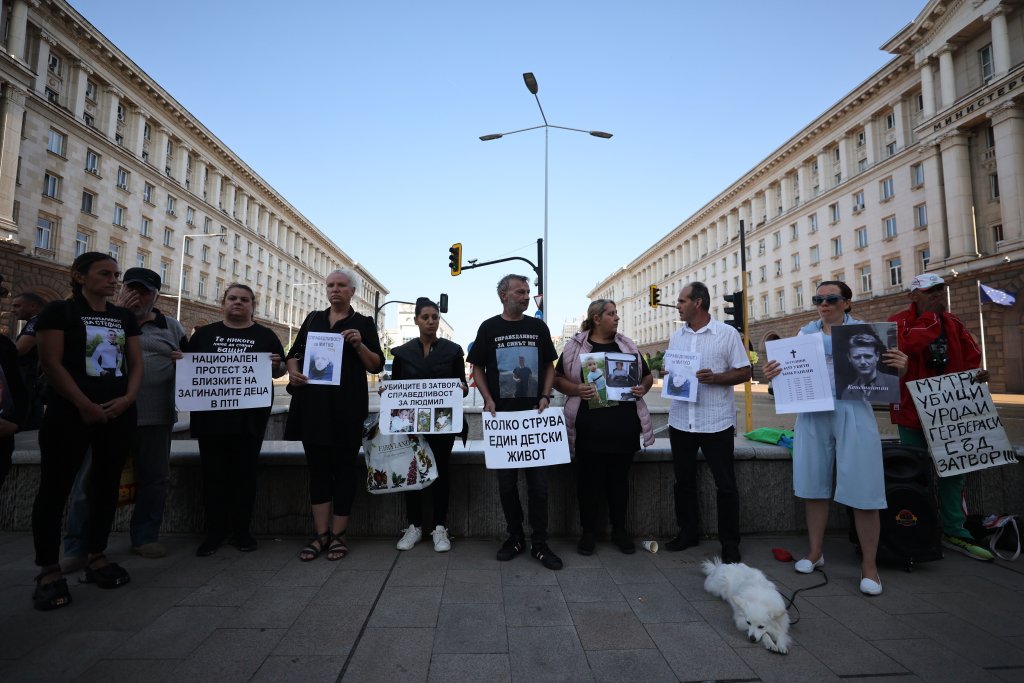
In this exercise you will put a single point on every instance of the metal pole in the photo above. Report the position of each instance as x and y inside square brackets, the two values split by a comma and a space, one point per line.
[748, 398]
[545, 296]
[981, 324]
[181, 276]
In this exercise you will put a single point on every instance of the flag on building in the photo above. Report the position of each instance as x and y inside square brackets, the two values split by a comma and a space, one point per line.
[998, 296]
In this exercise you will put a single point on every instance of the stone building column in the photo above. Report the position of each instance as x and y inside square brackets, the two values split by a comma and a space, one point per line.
[198, 185]
[844, 158]
[17, 30]
[870, 142]
[823, 166]
[938, 233]
[12, 108]
[787, 192]
[80, 84]
[901, 128]
[732, 225]
[947, 80]
[159, 151]
[231, 190]
[1000, 42]
[803, 187]
[213, 191]
[180, 168]
[927, 89]
[43, 62]
[1008, 127]
[959, 194]
[108, 124]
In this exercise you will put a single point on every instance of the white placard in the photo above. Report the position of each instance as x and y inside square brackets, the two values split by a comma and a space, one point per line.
[960, 423]
[421, 406]
[525, 438]
[804, 385]
[623, 374]
[680, 382]
[321, 363]
[223, 381]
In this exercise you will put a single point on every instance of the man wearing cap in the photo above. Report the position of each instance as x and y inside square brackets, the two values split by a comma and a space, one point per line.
[161, 342]
[936, 343]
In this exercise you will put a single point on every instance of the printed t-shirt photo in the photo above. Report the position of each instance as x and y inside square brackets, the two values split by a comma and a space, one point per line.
[513, 353]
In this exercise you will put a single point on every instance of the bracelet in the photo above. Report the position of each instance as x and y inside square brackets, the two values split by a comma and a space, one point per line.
[547, 396]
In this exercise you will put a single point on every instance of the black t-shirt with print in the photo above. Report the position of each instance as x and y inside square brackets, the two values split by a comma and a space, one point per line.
[219, 338]
[505, 349]
[94, 343]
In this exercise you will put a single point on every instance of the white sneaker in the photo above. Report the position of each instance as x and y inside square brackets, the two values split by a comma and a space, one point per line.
[410, 538]
[442, 543]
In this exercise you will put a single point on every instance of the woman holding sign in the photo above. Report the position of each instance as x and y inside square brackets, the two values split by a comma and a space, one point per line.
[845, 439]
[603, 439]
[328, 416]
[230, 440]
[430, 357]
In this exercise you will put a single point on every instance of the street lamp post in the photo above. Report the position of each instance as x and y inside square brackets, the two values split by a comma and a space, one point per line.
[531, 84]
[181, 264]
[291, 307]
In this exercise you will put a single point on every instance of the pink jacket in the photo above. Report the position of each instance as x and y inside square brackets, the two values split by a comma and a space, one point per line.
[571, 367]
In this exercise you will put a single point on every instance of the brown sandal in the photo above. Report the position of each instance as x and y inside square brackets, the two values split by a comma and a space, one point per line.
[315, 546]
[338, 549]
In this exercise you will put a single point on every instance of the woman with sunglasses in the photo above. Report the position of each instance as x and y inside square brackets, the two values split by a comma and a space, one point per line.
[845, 439]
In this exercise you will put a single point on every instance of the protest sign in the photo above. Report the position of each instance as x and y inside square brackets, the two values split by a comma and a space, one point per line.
[960, 423]
[223, 381]
[680, 383]
[804, 385]
[322, 361]
[860, 374]
[421, 406]
[525, 438]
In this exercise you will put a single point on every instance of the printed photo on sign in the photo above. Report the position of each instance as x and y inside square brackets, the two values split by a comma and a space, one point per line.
[442, 420]
[623, 375]
[593, 367]
[680, 382]
[401, 420]
[104, 350]
[421, 406]
[860, 373]
[322, 360]
[518, 371]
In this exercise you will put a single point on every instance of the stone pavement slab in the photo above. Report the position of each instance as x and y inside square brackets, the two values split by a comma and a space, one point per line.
[385, 615]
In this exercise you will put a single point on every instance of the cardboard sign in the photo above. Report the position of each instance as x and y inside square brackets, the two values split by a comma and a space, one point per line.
[960, 423]
[223, 381]
[421, 406]
[525, 438]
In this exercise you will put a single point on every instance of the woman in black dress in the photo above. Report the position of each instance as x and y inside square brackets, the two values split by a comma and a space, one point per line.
[230, 440]
[328, 418]
[430, 357]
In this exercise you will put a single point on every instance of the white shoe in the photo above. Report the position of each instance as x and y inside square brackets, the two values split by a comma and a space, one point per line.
[869, 587]
[805, 566]
[410, 538]
[442, 543]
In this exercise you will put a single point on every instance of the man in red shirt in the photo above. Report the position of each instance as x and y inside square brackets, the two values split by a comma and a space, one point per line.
[936, 343]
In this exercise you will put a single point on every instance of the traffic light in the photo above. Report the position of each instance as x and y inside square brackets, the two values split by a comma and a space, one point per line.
[737, 310]
[442, 304]
[655, 296]
[455, 258]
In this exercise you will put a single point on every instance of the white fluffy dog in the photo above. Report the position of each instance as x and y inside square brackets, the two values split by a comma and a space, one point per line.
[757, 607]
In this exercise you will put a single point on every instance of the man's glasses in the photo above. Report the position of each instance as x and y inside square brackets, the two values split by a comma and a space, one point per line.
[831, 299]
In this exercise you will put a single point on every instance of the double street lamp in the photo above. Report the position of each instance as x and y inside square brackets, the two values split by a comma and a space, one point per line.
[531, 85]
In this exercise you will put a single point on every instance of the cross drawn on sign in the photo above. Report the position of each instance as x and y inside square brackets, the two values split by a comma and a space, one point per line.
[793, 353]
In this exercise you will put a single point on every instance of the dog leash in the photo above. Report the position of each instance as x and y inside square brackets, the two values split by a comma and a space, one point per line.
[792, 599]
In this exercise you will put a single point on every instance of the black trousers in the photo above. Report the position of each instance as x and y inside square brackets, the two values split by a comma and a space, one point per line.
[438, 492]
[602, 475]
[717, 448]
[229, 481]
[63, 442]
[334, 472]
[536, 490]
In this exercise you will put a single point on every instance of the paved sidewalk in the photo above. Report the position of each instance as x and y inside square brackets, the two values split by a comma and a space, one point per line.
[381, 615]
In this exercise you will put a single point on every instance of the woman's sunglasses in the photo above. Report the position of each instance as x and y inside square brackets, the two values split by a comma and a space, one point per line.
[831, 299]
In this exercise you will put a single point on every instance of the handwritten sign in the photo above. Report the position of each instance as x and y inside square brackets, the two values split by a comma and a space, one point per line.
[960, 423]
[525, 438]
[223, 381]
[421, 406]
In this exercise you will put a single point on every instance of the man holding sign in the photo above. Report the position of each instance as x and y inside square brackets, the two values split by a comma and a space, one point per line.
[504, 345]
[936, 343]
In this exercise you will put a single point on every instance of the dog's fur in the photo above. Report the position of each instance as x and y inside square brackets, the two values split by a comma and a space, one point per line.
[757, 607]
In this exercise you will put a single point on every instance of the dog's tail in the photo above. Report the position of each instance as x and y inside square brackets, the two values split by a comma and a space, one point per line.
[709, 566]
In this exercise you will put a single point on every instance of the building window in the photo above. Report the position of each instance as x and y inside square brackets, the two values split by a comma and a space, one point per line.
[206, 254]
[144, 228]
[890, 149]
[168, 237]
[81, 243]
[238, 242]
[207, 223]
[924, 257]
[778, 268]
[92, 162]
[833, 213]
[114, 250]
[147, 193]
[990, 137]
[815, 255]
[812, 223]
[795, 261]
[119, 214]
[890, 120]
[862, 237]
[90, 90]
[147, 132]
[763, 272]
[858, 201]
[837, 247]
[988, 68]
[188, 246]
[993, 186]
[760, 247]
[917, 175]
[862, 165]
[120, 113]
[190, 215]
[895, 272]
[997, 233]
[860, 139]
[220, 261]
[164, 267]
[865, 279]
[52, 96]
[234, 267]
[51, 185]
[835, 153]
[122, 179]
[837, 178]
[920, 216]
[886, 189]
[89, 119]
[118, 139]
[88, 202]
[202, 286]
[764, 305]
[798, 295]
[794, 232]
[170, 205]
[248, 249]
[55, 64]
[776, 240]
[781, 300]
[889, 227]
[44, 233]
[142, 259]
[56, 143]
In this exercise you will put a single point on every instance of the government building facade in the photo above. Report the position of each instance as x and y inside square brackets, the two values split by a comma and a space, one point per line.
[919, 169]
[96, 156]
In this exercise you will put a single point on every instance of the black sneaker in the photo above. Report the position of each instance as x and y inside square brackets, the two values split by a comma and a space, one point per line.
[511, 547]
[244, 542]
[681, 542]
[623, 541]
[587, 544]
[209, 546]
[547, 558]
[731, 553]
[53, 595]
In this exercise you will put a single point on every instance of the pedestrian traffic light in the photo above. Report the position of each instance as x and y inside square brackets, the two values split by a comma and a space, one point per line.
[455, 258]
[737, 310]
[655, 299]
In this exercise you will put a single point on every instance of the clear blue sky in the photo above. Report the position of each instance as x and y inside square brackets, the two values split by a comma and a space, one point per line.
[366, 117]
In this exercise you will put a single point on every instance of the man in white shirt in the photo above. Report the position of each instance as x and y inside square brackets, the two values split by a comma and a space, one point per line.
[709, 423]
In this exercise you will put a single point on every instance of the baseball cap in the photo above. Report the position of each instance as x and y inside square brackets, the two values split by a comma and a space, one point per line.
[926, 281]
[143, 276]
